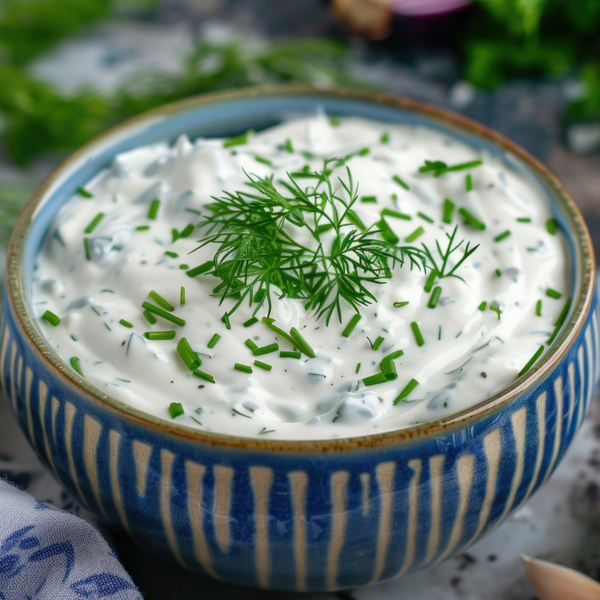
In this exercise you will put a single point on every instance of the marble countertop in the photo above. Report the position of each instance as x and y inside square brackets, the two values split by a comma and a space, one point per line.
[560, 523]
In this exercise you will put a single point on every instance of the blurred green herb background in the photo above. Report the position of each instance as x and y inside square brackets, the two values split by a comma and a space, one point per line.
[503, 39]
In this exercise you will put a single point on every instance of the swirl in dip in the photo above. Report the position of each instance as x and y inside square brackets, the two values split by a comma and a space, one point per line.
[135, 295]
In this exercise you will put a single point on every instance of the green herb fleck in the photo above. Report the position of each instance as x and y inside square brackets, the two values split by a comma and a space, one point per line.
[175, 409]
[394, 355]
[448, 211]
[385, 138]
[400, 304]
[430, 280]
[469, 182]
[498, 273]
[400, 182]
[288, 145]
[301, 343]
[242, 368]
[149, 317]
[251, 344]
[225, 319]
[126, 324]
[560, 321]
[213, 340]
[265, 349]
[182, 296]
[482, 306]
[153, 210]
[285, 354]
[94, 223]
[262, 365]
[417, 333]
[551, 226]
[161, 301]
[538, 308]
[435, 296]
[75, 364]
[142, 228]
[263, 160]
[388, 368]
[386, 212]
[369, 199]
[410, 386]
[496, 309]
[159, 335]
[471, 219]
[188, 356]
[86, 248]
[357, 368]
[415, 234]
[375, 379]
[523, 220]
[84, 193]
[531, 362]
[238, 140]
[425, 217]
[163, 313]
[200, 270]
[553, 294]
[53, 319]
[251, 322]
[351, 325]
[202, 375]
[502, 236]
[378, 342]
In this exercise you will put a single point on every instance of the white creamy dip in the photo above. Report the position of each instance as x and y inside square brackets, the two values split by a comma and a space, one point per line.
[485, 327]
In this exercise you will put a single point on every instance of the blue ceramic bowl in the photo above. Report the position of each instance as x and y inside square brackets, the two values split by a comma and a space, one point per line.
[295, 515]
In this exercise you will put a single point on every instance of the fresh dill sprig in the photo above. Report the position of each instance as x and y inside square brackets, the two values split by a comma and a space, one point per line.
[444, 269]
[259, 255]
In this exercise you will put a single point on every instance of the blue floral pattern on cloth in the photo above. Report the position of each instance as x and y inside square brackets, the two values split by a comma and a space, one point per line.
[50, 554]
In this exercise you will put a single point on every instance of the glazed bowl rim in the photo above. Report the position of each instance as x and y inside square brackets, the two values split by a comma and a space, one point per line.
[584, 257]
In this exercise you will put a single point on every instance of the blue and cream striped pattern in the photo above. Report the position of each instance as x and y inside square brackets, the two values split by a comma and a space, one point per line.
[300, 521]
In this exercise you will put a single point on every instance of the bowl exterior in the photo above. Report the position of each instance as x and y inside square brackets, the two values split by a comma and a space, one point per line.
[303, 521]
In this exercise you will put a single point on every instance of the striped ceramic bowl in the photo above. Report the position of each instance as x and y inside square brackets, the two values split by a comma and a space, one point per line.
[294, 515]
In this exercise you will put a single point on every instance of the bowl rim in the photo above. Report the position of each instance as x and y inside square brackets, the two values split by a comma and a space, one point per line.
[584, 258]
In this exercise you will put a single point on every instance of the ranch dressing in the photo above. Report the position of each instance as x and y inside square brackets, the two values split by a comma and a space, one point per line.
[140, 218]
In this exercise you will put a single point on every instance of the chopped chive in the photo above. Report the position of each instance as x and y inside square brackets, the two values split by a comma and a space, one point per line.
[386, 212]
[242, 368]
[250, 344]
[523, 220]
[159, 335]
[335, 122]
[184, 267]
[385, 138]
[94, 223]
[435, 296]
[415, 234]
[496, 309]
[126, 323]
[551, 226]
[400, 304]
[285, 354]
[175, 235]
[301, 343]
[425, 217]
[375, 379]
[161, 301]
[286, 336]
[225, 319]
[201, 269]
[142, 228]
[351, 325]
[264, 431]
[153, 210]
[182, 296]
[498, 273]
[163, 313]
[388, 368]
[400, 182]
[213, 340]
[263, 160]
[251, 322]
[560, 321]
[471, 219]
[378, 342]
[96, 311]
[394, 355]
[187, 231]
[265, 349]
[86, 247]
[149, 317]
[430, 281]
[188, 356]
[386, 232]
[175, 409]
[469, 182]
[53, 319]
[459, 167]
[394, 197]
[262, 365]
[202, 375]
[417, 333]
[502, 236]
[532, 360]
[84, 193]
[448, 211]
[194, 419]
[364, 151]
[357, 368]
[439, 332]
[482, 306]
[410, 386]
[238, 140]
[369, 199]
[538, 308]
[288, 145]
[553, 294]
[76, 366]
